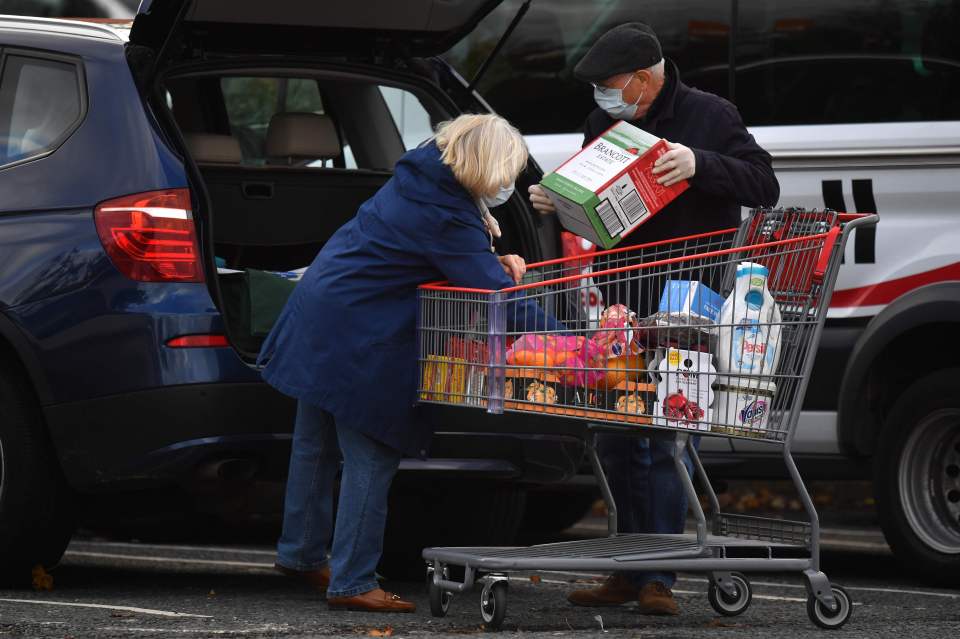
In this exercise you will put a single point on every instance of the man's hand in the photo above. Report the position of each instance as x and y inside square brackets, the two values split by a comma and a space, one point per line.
[539, 200]
[677, 164]
[514, 266]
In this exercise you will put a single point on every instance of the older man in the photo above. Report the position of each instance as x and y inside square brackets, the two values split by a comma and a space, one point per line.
[712, 149]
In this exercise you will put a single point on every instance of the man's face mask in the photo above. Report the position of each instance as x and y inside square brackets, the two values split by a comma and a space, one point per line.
[499, 197]
[611, 101]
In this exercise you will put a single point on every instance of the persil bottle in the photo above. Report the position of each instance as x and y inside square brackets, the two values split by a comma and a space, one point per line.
[750, 325]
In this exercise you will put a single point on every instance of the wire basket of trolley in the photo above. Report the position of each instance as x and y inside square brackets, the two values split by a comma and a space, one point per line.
[709, 335]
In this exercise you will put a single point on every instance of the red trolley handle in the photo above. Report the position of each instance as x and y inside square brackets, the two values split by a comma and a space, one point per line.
[820, 270]
[831, 241]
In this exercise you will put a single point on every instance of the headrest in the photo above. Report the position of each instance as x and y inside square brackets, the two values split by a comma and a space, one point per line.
[208, 148]
[302, 136]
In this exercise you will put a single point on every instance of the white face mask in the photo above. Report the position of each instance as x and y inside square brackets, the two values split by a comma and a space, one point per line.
[499, 198]
[611, 101]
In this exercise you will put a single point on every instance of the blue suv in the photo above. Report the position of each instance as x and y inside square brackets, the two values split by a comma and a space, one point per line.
[161, 186]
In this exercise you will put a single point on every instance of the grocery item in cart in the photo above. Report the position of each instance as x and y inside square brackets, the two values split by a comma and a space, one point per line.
[685, 391]
[607, 189]
[565, 356]
[631, 403]
[629, 368]
[616, 343]
[689, 302]
[750, 325]
[528, 387]
[444, 379]
[477, 356]
[685, 318]
[743, 405]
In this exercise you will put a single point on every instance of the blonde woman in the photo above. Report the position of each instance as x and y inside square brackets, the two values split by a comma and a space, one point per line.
[345, 347]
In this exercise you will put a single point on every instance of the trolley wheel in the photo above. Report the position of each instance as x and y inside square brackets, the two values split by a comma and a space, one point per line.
[735, 604]
[830, 619]
[439, 598]
[493, 604]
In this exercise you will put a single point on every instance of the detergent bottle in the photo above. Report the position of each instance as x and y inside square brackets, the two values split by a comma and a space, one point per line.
[750, 325]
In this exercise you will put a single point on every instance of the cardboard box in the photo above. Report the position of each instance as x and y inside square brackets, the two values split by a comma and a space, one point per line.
[685, 390]
[607, 190]
[688, 299]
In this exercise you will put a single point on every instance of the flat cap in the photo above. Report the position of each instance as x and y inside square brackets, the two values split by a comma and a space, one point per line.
[622, 49]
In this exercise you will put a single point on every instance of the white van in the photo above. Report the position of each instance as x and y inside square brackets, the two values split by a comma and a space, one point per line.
[859, 104]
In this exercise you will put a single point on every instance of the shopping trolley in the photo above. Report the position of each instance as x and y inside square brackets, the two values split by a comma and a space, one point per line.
[680, 352]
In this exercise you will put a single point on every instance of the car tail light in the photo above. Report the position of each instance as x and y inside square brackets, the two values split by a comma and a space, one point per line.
[198, 341]
[150, 237]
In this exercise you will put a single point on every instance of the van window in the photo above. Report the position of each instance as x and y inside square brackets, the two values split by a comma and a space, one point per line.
[531, 82]
[40, 104]
[847, 62]
[412, 120]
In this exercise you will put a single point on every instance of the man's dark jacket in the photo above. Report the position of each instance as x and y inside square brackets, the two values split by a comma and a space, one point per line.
[731, 171]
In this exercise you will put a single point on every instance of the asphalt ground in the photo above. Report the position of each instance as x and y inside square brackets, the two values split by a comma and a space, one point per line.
[106, 588]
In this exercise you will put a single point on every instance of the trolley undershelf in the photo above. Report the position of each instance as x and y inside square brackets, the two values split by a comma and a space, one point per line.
[608, 553]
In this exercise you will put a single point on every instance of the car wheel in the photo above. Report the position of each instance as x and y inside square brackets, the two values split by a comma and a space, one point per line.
[36, 508]
[918, 477]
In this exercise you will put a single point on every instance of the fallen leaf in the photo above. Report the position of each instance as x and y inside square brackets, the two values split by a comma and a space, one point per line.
[535, 578]
[376, 632]
[720, 623]
[42, 580]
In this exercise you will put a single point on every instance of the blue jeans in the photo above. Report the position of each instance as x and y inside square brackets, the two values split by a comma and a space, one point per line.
[646, 490]
[368, 470]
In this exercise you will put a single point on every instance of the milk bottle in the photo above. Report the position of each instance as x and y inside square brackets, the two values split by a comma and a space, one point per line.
[750, 328]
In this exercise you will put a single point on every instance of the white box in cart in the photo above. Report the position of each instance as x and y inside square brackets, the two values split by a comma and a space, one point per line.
[689, 299]
[685, 390]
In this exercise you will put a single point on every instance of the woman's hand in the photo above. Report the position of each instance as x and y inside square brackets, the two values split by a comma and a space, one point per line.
[540, 201]
[514, 266]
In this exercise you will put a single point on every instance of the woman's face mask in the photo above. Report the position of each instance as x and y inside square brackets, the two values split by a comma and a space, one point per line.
[611, 101]
[499, 198]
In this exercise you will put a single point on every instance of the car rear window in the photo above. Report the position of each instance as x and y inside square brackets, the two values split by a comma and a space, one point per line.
[40, 104]
[252, 101]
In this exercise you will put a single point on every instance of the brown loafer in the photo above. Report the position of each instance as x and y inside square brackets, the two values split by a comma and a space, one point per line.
[656, 599]
[372, 601]
[615, 591]
[317, 580]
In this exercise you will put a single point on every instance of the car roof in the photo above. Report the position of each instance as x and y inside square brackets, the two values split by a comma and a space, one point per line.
[108, 30]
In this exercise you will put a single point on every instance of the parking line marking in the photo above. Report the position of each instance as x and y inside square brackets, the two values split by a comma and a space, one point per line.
[828, 543]
[899, 591]
[852, 532]
[143, 611]
[754, 596]
[902, 591]
[681, 592]
[204, 631]
[124, 544]
[169, 560]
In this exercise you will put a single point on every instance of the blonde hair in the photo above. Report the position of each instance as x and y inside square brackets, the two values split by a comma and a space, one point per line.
[484, 151]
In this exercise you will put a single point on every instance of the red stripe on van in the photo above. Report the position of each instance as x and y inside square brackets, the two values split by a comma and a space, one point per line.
[886, 292]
